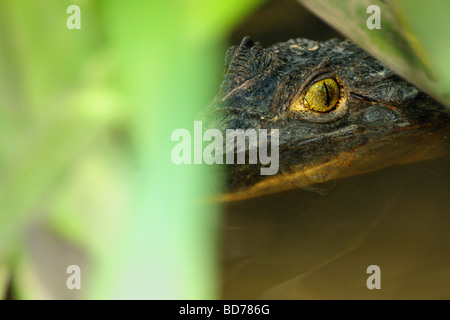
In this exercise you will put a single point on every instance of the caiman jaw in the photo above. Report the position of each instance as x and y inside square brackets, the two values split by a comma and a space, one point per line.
[416, 135]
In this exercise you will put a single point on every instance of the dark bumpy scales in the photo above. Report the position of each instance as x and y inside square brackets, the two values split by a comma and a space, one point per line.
[376, 106]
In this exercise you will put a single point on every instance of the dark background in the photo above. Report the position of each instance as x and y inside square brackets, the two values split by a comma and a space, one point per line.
[281, 20]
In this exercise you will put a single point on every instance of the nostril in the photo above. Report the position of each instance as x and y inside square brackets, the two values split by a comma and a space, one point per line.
[380, 114]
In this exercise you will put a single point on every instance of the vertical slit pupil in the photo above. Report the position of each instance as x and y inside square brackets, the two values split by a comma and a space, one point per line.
[328, 94]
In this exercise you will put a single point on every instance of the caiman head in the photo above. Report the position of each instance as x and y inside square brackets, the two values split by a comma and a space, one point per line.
[338, 112]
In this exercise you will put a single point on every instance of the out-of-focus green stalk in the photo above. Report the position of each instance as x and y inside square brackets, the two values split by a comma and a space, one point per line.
[86, 118]
[41, 128]
[169, 57]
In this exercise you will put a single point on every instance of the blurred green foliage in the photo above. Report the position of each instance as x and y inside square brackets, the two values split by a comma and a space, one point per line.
[85, 123]
[412, 40]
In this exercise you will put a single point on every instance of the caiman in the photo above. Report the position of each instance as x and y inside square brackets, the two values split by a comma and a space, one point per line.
[339, 112]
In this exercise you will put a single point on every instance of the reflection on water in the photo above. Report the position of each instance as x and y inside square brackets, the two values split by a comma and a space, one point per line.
[301, 245]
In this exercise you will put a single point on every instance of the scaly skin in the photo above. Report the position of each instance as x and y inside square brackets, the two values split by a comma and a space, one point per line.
[380, 119]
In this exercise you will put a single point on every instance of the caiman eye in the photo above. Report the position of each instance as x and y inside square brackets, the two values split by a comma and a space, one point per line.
[322, 96]
[324, 101]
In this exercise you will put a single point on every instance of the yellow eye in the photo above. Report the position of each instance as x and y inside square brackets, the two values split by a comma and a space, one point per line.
[322, 96]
